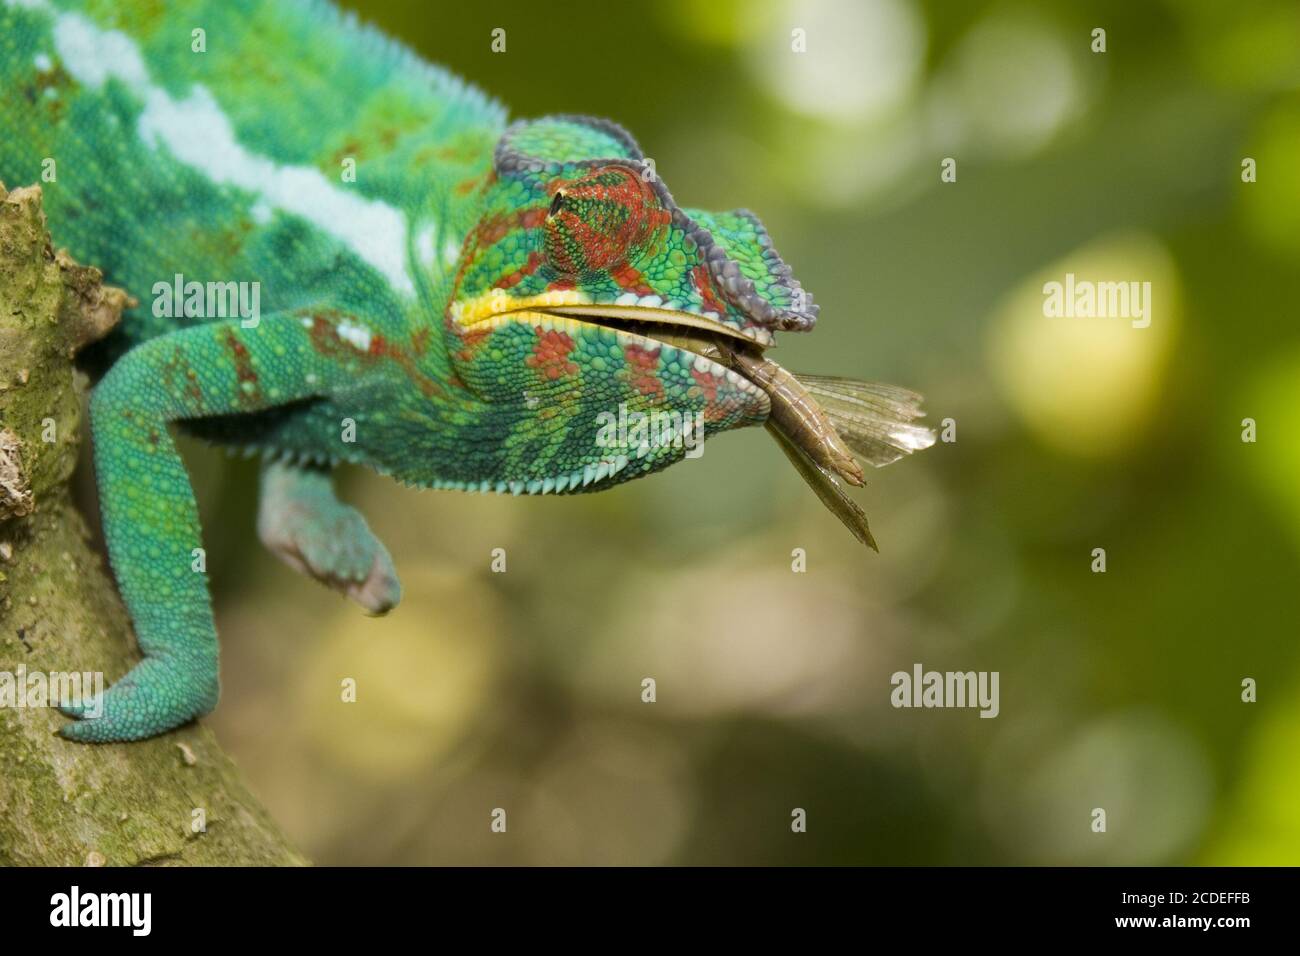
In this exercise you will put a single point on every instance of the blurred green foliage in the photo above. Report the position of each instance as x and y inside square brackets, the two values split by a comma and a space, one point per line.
[1119, 690]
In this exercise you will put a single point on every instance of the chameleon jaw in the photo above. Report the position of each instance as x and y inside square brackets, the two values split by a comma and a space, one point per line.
[713, 345]
[710, 355]
[686, 323]
[686, 352]
[649, 313]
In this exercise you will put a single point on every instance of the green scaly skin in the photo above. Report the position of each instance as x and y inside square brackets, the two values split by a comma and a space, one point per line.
[457, 315]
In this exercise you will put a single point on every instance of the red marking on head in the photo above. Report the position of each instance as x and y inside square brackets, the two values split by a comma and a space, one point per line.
[489, 232]
[471, 340]
[643, 369]
[707, 383]
[630, 279]
[704, 285]
[496, 228]
[600, 219]
[550, 356]
[513, 279]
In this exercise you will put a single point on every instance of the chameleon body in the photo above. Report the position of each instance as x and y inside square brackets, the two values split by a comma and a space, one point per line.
[458, 314]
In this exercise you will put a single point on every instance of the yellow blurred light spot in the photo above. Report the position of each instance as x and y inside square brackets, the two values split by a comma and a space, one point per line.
[1149, 777]
[862, 59]
[1012, 84]
[738, 654]
[1274, 404]
[1263, 823]
[421, 677]
[1271, 205]
[1247, 44]
[612, 795]
[842, 165]
[717, 23]
[1088, 384]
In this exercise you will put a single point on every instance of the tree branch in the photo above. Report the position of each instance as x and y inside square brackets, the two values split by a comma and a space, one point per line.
[60, 802]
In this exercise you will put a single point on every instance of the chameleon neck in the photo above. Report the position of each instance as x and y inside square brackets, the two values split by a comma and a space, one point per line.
[278, 147]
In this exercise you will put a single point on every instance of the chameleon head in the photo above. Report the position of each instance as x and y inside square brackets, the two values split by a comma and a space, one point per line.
[592, 312]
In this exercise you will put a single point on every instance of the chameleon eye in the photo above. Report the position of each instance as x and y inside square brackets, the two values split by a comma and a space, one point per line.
[601, 220]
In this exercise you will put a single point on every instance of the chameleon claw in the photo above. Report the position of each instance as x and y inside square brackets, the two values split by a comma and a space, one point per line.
[380, 591]
[317, 535]
[157, 695]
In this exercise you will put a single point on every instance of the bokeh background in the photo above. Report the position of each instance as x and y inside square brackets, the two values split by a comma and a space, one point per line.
[1122, 690]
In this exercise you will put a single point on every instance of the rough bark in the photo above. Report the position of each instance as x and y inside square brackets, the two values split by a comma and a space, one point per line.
[63, 802]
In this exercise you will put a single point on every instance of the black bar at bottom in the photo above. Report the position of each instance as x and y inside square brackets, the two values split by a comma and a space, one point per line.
[331, 906]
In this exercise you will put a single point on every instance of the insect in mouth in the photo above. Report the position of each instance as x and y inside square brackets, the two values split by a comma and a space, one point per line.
[824, 424]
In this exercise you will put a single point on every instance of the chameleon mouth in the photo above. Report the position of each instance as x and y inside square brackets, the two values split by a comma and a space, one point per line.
[650, 319]
[714, 348]
[677, 329]
[671, 325]
[805, 432]
[713, 345]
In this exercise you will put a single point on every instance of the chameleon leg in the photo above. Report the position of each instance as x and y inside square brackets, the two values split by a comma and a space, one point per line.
[150, 519]
[301, 521]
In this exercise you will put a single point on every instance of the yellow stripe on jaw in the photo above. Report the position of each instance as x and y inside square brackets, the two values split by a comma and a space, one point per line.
[497, 306]
[497, 302]
[549, 321]
[571, 323]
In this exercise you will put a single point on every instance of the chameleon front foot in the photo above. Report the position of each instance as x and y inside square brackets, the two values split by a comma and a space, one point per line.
[157, 695]
[307, 528]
